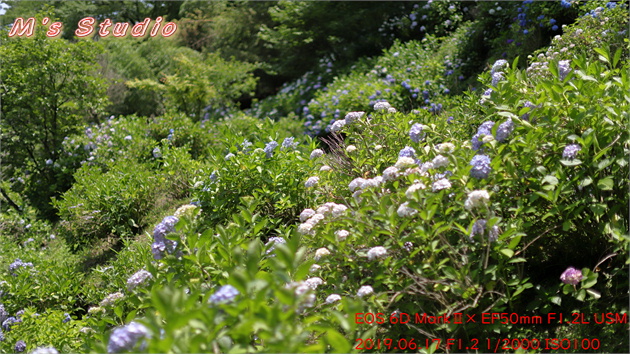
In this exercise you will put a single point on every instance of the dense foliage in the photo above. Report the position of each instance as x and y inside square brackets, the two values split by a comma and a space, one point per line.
[461, 159]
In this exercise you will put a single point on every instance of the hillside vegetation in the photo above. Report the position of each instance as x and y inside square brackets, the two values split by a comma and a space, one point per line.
[318, 177]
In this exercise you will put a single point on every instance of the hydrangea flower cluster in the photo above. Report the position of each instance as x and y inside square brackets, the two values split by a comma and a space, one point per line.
[111, 299]
[365, 290]
[405, 211]
[225, 294]
[382, 106]
[411, 191]
[270, 147]
[564, 68]
[407, 151]
[272, 242]
[570, 151]
[353, 117]
[332, 298]
[6, 324]
[161, 244]
[376, 252]
[571, 276]
[316, 153]
[441, 184]
[362, 183]
[302, 289]
[139, 278]
[311, 182]
[480, 166]
[18, 264]
[289, 144]
[445, 148]
[477, 199]
[479, 228]
[342, 234]
[321, 252]
[310, 219]
[125, 338]
[20, 346]
[498, 66]
[415, 133]
[504, 130]
[484, 129]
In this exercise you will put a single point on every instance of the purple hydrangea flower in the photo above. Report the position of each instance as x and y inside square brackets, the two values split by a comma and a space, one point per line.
[415, 133]
[479, 228]
[571, 276]
[481, 166]
[67, 318]
[20, 346]
[564, 68]
[18, 264]
[408, 151]
[226, 293]
[246, 146]
[504, 130]
[570, 151]
[6, 324]
[270, 147]
[125, 338]
[138, 278]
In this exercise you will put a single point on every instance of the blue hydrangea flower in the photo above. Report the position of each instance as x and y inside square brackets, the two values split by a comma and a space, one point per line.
[481, 166]
[125, 338]
[504, 130]
[67, 318]
[18, 264]
[226, 293]
[288, 143]
[6, 325]
[496, 77]
[138, 278]
[246, 146]
[570, 151]
[157, 153]
[273, 241]
[272, 145]
[484, 129]
[166, 226]
[408, 151]
[20, 346]
[415, 133]
[498, 66]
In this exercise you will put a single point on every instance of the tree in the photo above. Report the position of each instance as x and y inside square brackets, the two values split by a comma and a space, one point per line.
[48, 89]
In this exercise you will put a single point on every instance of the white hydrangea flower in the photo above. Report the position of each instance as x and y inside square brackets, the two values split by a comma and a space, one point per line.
[351, 117]
[315, 219]
[445, 148]
[311, 182]
[441, 184]
[314, 268]
[305, 229]
[440, 161]
[365, 290]
[351, 149]
[487, 138]
[390, 173]
[186, 209]
[404, 162]
[337, 125]
[477, 199]
[373, 182]
[381, 106]
[317, 153]
[356, 183]
[357, 196]
[426, 167]
[332, 298]
[321, 252]
[325, 168]
[306, 214]
[391, 110]
[411, 191]
[342, 234]
[378, 147]
[405, 211]
[314, 282]
[376, 252]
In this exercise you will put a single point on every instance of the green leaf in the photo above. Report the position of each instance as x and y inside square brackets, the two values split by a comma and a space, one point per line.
[581, 295]
[507, 252]
[556, 300]
[573, 162]
[606, 184]
[337, 342]
[552, 180]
